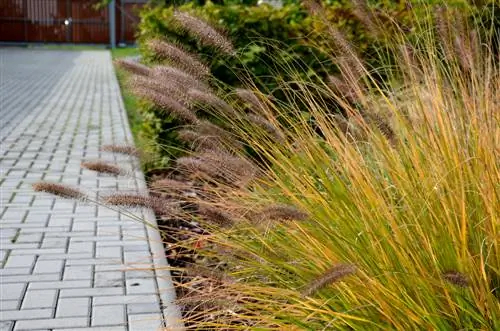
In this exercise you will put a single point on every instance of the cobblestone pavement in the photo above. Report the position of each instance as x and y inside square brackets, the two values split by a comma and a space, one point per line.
[69, 265]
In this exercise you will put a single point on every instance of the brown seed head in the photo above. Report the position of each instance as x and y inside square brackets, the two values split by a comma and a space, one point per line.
[168, 104]
[169, 88]
[122, 149]
[179, 57]
[456, 278]
[216, 215]
[61, 190]
[167, 184]
[133, 67]
[204, 32]
[280, 212]
[159, 206]
[266, 126]
[210, 99]
[198, 141]
[220, 166]
[314, 7]
[364, 14]
[184, 80]
[256, 105]
[330, 276]
[103, 167]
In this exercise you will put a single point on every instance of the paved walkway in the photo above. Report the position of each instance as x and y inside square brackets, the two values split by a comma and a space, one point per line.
[67, 265]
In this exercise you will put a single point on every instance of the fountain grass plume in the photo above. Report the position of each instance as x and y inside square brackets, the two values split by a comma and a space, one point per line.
[456, 278]
[133, 67]
[168, 185]
[198, 141]
[280, 212]
[121, 149]
[181, 78]
[159, 206]
[216, 215]
[365, 16]
[207, 98]
[204, 32]
[168, 104]
[179, 57]
[267, 126]
[330, 276]
[168, 87]
[256, 105]
[219, 166]
[61, 190]
[103, 167]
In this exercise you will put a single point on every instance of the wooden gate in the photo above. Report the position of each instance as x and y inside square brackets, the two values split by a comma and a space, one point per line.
[72, 21]
[65, 21]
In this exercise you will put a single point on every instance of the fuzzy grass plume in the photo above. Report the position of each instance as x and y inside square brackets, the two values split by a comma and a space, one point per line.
[103, 167]
[121, 149]
[179, 57]
[160, 206]
[330, 276]
[61, 190]
[168, 104]
[133, 67]
[204, 32]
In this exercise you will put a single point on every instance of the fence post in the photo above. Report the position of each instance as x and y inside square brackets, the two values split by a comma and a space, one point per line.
[112, 24]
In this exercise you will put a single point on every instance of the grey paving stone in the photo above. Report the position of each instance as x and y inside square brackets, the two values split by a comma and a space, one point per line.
[73, 307]
[141, 308]
[15, 271]
[6, 325]
[20, 261]
[109, 252]
[48, 267]
[10, 305]
[73, 284]
[141, 286]
[77, 272]
[108, 315]
[54, 323]
[39, 298]
[25, 314]
[125, 299]
[12, 291]
[98, 291]
[142, 322]
[30, 278]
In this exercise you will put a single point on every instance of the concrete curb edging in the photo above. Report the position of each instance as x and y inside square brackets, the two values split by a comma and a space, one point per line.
[172, 316]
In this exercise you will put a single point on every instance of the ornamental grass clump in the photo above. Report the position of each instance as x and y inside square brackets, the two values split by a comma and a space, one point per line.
[395, 185]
